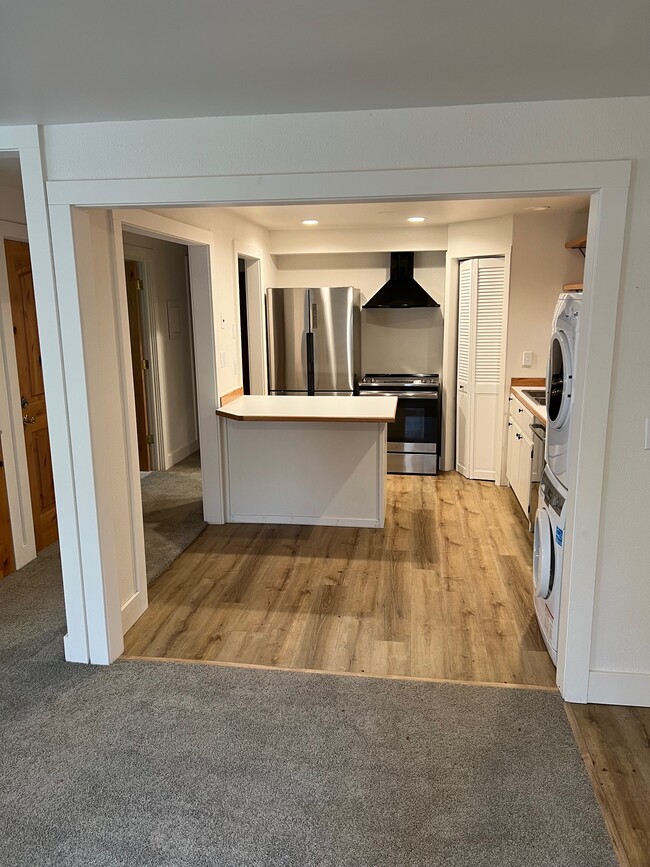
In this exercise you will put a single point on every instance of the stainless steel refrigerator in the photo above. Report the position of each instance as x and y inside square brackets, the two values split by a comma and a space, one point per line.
[313, 340]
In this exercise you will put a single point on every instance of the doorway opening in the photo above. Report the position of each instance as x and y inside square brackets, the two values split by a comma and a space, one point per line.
[243, 325]
[28, 518]
[161, 340]
[436, 598]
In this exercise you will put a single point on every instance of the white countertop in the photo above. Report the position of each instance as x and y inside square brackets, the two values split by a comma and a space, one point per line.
[310, 409]
[538, 411]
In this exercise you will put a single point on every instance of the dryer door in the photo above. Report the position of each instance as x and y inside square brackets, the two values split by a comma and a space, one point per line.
[559, 379]
[543, 555]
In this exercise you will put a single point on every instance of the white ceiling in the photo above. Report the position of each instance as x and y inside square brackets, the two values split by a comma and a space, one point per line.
[83, 60]
[393, 215]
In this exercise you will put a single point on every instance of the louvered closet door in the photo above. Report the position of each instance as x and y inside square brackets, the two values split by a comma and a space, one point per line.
[481, 342]
[488, 361]
[463, 427]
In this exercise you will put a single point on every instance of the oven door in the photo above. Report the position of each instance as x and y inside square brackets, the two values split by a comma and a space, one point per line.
[415, 428]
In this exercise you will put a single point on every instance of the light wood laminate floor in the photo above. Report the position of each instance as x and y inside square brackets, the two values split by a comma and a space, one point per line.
[442, 592]
[615, 747]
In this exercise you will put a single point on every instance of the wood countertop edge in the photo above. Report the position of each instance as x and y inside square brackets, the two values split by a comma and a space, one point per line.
[224, 413]
[530, 406]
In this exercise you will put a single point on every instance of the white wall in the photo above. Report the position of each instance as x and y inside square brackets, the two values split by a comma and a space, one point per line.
[168, 284]
[539, 268]
[392, 341]
[229, 231]
[484, 135]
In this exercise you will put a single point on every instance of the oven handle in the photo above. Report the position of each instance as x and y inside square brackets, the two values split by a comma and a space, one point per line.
[426, 395]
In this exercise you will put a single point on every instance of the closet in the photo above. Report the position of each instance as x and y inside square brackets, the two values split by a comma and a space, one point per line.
[481, 360]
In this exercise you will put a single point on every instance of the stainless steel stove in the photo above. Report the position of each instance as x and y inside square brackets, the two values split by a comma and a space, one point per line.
[414, 436]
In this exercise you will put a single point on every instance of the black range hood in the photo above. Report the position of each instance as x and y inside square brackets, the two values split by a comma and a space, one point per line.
[401, 290]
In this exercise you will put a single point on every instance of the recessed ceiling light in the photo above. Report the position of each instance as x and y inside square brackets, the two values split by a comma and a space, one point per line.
[310, 222]
[538, 208]
[416, 219]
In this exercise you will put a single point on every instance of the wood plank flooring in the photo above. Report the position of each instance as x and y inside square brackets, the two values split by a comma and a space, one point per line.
[615, 747]
[442, 592]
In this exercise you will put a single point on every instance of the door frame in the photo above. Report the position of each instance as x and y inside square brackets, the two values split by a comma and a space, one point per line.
[256, 313]
[607, 182]
[25, 142]
[11, 420]
[199, 244]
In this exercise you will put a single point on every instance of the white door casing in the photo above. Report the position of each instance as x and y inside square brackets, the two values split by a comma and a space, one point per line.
[608, 183]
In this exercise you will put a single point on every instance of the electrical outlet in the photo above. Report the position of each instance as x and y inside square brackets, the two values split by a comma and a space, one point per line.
[223, 358]
[527, 359]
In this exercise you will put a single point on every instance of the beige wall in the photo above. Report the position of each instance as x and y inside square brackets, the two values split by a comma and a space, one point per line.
[12, 205]
[228, 230]
[392, 341]
[540, 267]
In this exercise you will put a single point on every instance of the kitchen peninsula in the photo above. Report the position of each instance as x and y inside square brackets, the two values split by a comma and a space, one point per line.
[306, 460]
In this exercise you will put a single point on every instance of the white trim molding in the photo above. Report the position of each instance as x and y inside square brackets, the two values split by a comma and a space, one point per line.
[26, 142]
[619, 687]
[608, 183]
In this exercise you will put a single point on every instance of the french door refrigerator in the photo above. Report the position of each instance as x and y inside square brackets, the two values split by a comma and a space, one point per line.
[313, 340]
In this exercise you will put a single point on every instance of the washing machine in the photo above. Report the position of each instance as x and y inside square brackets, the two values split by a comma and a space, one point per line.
[560, 382]
[548, 550]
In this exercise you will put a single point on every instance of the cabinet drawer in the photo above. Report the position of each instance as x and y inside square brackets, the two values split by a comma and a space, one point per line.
[520, 415]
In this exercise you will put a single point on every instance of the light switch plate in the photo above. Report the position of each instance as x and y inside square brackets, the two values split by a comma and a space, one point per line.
[527, 359]
[223, 321]
[223, 358]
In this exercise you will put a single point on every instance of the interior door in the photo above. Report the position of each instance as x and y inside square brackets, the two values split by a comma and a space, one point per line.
[332, 313]
[137, 363]
[30, 378]
[287, 323]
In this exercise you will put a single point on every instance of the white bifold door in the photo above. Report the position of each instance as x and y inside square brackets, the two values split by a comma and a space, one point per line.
[481, 359]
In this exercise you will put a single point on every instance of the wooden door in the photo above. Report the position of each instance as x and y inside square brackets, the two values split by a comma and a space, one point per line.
[32, 391]
[7, 561]
[137, 358]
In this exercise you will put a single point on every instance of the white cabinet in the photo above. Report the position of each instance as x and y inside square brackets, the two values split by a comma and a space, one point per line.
[519, 469]
[481, 350]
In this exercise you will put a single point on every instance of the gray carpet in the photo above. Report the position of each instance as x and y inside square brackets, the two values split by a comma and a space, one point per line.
[169, 765]
[173, 513]
[161, 765]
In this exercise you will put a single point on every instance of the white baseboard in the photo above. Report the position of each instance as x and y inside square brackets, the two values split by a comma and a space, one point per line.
[174, 457]
[75, 651]
[132, 609]
[619, 687]
[307, 520]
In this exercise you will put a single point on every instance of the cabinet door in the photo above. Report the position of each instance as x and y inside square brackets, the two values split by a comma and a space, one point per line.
[524, 475]
[512, 465]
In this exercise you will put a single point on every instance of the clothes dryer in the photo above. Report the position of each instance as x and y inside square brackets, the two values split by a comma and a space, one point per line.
[548, 556]
[560, 383]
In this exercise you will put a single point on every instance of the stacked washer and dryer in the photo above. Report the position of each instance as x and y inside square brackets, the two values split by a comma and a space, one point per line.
[550, 520]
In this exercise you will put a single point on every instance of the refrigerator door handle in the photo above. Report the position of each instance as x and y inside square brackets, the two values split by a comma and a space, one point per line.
[310, 362]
